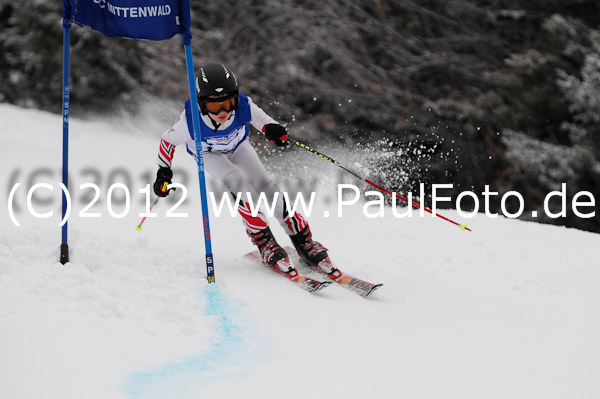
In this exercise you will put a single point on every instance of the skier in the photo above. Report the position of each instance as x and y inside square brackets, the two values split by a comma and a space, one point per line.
[230, 158]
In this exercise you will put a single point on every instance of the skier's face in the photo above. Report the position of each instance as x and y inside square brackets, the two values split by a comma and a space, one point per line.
[221, 117]
[220, 107]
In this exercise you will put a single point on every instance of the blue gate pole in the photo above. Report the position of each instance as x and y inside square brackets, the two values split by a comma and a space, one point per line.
[210, 266]
[64, 247]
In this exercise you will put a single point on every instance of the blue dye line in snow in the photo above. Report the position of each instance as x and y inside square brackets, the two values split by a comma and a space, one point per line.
[235, 350]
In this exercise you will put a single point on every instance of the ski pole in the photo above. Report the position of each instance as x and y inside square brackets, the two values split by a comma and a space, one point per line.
[139, 226]
[333, 161]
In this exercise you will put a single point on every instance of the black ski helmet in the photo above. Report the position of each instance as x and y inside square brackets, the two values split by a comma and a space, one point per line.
[215, 79]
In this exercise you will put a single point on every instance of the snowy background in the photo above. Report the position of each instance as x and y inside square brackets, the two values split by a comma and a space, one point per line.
[509, 310]
[497, 92]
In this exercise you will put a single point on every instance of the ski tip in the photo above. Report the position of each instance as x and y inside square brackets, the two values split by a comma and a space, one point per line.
[373, 289]
[320, 286]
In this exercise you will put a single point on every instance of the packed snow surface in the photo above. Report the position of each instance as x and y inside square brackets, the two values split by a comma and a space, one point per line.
[510, 310]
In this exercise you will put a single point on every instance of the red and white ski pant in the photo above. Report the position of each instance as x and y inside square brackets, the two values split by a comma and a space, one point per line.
[242, 171]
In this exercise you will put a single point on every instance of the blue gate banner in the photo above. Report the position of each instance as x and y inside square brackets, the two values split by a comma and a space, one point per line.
[134, 19]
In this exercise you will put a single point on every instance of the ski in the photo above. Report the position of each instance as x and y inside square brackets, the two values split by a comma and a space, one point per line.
[306, 283]
[354, 284]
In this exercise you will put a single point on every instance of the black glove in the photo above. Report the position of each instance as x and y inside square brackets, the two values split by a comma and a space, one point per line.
[163, 178]
[276, 133]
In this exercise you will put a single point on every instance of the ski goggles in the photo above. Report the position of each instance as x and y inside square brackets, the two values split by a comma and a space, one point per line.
[216, 105]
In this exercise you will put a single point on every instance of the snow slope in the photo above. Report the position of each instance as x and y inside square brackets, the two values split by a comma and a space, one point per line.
[511, 310]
